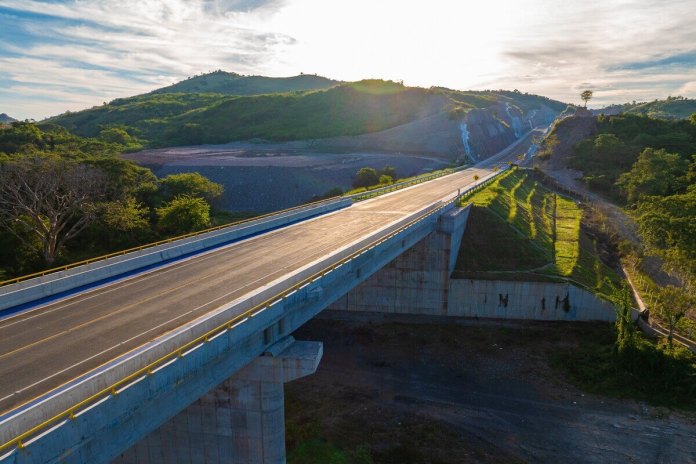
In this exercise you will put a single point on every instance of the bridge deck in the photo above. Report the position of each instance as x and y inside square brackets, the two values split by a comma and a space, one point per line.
[46, 347]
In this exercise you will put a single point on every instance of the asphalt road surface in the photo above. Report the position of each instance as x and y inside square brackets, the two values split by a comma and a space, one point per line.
[48, 346]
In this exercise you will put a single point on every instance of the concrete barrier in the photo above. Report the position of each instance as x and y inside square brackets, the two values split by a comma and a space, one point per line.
[51, 284]
[41, 409]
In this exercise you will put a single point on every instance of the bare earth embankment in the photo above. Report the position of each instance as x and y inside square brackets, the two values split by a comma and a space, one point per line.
[269, 177]
[436, 391]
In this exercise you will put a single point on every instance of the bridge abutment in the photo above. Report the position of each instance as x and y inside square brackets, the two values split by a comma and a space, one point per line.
[240, 421]
[416, 281]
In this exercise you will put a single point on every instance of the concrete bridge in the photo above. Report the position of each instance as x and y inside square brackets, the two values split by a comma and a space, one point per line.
[121, 359]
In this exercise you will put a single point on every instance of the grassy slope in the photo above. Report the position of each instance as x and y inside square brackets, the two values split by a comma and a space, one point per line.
[184, 118]
[521, 230]
[666, 377]
[665, 109]
[163, 118]
[344, 110]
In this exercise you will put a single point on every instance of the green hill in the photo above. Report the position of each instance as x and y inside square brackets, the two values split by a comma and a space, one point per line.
[671, 108]
[169, 119]
[229, 83]
[6, 119]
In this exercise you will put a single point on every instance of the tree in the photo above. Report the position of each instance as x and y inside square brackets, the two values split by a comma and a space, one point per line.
[666, 225]
[54, 199]
[693, 118]
[365, 177]
[656, 172]
[190, 184]
[183, 214]
[115, 135]
[19, 135]
[124, 178]
[125, 216]
[384, 179]
[672, 304]
[586, 96]
[625, 329]
[388, 171]
[121, 224]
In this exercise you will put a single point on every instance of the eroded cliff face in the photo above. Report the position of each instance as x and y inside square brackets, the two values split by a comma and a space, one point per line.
[489, 130]
[477, 135]
[488, 134]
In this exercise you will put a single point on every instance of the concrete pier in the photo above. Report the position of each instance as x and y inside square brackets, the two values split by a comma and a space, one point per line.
[240, 421]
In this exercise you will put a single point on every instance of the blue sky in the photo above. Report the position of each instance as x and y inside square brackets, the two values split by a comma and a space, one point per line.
[74, 54]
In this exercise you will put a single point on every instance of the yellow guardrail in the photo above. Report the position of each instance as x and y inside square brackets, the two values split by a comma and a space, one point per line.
[356, 196]
[367, 194]
[71, 412]
[154, 244]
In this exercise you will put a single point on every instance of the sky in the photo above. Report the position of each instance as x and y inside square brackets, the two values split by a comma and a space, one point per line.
[64, 55]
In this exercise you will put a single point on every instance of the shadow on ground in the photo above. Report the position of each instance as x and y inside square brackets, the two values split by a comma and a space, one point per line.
[440, 391]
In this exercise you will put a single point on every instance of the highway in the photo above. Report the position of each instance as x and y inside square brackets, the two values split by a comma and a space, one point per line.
[48, 346]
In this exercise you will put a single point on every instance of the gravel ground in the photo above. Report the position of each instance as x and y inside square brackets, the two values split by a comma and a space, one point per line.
[270, 177]
[449, 391]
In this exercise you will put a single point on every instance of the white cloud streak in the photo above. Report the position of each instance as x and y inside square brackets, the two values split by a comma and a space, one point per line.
[84, 52]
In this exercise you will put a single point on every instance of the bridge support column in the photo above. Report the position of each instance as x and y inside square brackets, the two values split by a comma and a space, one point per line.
[240, 421]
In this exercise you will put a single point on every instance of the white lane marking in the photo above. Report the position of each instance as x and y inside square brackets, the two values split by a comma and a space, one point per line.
[155, 328]
[80, 297]
[206, 255]
[146, 275]
[96, 291]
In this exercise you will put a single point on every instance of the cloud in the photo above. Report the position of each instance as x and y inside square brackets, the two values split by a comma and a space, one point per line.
[78, 53]
[111, 48]
[622, 50]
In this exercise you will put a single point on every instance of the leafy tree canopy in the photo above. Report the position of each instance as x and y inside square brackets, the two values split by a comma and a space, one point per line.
[183, 214]
[191, 184]
[365, 177]
[656, 172]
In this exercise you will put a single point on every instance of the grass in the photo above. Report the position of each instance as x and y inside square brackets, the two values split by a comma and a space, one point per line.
[653, 373]
[648, 289]
[320, 452]
[223, 107]
[521, 230]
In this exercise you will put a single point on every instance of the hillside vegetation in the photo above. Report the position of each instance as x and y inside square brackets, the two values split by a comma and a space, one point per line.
[671, 108]
[649, 165]
[229, 83]
[619, 141]
[65, 198]
[519, 229]
[182, 115]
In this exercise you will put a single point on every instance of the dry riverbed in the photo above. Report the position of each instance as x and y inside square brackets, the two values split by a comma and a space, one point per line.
[446, 391]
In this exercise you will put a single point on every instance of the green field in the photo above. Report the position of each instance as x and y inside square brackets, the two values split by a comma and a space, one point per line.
[519, 229]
